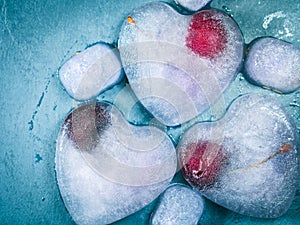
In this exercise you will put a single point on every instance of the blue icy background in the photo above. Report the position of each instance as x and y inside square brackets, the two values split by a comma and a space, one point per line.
[36, 37]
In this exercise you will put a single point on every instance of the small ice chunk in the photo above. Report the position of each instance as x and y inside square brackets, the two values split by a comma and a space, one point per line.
[248, 161]
[91, 71]
[178, 205]
[107, 168]
[178, 65]
[192, 5]
[274, 64]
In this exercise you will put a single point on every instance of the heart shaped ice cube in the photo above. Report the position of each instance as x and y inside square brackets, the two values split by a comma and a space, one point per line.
[108, 169]
[176, 64]
[248, 161]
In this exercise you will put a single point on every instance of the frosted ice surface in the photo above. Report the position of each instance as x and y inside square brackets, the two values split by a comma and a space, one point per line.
[261, 170]
[274, 63]
[179, 204]
[193, 5]
[123, 170]
[91, 71]
[171, 81]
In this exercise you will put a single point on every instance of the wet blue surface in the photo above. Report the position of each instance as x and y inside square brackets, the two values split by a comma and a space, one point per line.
[36, 37]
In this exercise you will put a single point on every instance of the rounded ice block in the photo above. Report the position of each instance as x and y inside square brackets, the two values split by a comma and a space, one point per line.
[91, 71]
[108, 169]
[176, 64]
[274, 64]
[192, 5]
[248, 161]
[178, 205]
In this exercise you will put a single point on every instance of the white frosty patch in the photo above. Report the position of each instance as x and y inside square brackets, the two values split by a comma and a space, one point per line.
[269, 18]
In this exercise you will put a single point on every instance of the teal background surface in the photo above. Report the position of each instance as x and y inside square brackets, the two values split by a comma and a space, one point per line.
[36, 38]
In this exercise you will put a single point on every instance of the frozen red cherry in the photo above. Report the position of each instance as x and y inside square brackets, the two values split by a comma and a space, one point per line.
[86, 123]
[201, 163]
[206, 35]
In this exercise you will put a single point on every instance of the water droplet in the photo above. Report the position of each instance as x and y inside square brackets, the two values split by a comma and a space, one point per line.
[38, 158]
[226, 9]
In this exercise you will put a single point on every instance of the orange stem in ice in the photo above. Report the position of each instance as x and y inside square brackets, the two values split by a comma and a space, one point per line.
[130, 20]
[283, 149]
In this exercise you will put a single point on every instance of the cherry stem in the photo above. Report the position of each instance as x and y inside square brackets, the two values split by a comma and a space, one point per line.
[133, 23]
[283, 149]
